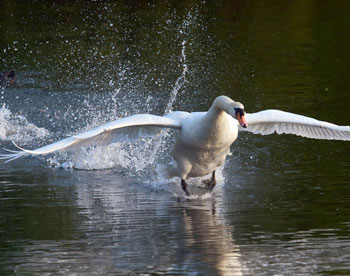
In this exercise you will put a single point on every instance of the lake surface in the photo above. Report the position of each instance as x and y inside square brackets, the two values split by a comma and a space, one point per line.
[282, 204]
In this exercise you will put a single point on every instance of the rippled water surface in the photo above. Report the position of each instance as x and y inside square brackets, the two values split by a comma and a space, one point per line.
[282, 204]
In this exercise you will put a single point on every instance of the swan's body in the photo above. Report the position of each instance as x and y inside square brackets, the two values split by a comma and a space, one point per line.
[204, 137]
[204, 142]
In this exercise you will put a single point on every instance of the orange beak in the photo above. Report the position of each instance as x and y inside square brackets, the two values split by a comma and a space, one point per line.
[241, 120]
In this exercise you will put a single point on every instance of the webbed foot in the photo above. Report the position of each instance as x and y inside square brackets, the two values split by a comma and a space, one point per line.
[210, 183]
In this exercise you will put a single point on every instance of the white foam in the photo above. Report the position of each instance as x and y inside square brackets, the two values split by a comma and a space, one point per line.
[17, 128]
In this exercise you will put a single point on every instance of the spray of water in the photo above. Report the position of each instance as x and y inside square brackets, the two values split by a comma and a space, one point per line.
[181, 80]
[17, 128]
[138, 155]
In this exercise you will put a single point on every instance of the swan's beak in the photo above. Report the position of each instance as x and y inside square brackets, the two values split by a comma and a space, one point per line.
[241, 120]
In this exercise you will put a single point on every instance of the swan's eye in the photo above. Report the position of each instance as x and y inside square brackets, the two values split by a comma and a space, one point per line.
[239, 111]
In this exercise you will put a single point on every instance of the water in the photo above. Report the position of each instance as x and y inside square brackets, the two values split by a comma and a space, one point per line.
[282, 204]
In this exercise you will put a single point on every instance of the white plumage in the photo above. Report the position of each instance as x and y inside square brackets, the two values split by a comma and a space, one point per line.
[129, 128]
[269, 121]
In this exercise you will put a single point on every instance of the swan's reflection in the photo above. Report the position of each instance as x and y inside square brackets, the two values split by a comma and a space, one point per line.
[147, 230]
[210, 240]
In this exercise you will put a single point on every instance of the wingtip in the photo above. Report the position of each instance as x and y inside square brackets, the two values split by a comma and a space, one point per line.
[13, 154]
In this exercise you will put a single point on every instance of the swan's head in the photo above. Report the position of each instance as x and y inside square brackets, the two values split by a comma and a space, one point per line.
[240, 114]
[235, 109]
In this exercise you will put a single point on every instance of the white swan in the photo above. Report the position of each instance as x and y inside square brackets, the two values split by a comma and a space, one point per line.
[204, 137]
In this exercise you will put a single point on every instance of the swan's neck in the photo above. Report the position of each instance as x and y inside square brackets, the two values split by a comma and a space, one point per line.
[217, 115]
[217, 128]
[220, 105]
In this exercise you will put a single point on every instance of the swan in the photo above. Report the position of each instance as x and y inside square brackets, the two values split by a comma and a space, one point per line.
[204, 138]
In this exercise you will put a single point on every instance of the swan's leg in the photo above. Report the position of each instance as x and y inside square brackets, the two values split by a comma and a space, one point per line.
[184, 186]
[184, 167]
[210, 183]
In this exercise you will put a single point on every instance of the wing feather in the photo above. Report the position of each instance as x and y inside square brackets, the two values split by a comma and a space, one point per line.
[129, 128]
[269, 121]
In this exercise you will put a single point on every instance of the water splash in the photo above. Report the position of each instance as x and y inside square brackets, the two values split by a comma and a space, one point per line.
[181, 80]
[17, 128]
[135, 157]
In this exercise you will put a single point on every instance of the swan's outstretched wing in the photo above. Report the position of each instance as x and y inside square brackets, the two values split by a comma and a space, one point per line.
[126, 129]
[270, 121]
